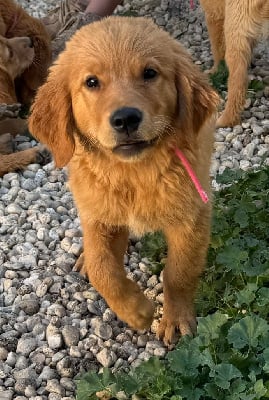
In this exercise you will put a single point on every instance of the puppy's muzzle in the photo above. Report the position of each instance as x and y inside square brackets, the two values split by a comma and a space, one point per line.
[125, 122]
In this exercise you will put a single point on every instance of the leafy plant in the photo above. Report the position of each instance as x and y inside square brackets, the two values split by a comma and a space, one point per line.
[219, 78]
[255, 85]
[229, 357]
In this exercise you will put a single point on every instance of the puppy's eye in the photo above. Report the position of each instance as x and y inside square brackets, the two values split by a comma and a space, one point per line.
[149, 73]
[92, 82]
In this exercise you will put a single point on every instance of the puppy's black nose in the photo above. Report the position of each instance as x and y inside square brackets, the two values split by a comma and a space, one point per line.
[126, 120]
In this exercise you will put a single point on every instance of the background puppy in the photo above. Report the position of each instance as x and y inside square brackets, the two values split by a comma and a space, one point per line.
[117, 120]
[16, 55]
[233, 28]
[14, 21]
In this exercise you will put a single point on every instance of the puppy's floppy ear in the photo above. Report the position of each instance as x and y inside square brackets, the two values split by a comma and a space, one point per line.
[51, 118]
[197, 101]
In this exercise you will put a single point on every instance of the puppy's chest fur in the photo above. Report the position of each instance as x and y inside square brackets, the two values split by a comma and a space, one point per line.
[144, 197]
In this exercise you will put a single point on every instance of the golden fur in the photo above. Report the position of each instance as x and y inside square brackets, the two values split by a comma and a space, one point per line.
[234, 27]
[16, 54]
[10, 162]
[143, 191]
[14, 22]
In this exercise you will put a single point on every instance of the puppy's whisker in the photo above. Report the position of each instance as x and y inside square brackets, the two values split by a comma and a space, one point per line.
[87, 140]
[162, 125]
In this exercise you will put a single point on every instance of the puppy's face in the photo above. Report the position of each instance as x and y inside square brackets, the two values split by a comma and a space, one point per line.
[16, 54]
[121, 86]
[124, 96]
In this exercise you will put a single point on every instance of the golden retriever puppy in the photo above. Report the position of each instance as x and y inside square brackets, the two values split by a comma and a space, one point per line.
[117, 104]
[14, 21]
[16, 55]
[234, 27]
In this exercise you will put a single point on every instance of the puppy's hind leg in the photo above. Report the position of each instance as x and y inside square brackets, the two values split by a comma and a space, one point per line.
[214, 15]
[216, 35]
[240, 39]
[104, 249]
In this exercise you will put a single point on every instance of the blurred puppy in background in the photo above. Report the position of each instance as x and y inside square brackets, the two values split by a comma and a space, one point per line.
[234, 27]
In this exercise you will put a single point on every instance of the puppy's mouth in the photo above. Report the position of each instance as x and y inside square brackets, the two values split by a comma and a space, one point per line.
[132, 148]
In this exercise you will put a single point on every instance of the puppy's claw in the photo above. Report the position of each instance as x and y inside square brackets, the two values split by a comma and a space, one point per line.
[78, 267]
[167, 330]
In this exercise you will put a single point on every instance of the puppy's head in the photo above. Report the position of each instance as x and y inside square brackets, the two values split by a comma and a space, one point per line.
[16, 54]
[121, 86]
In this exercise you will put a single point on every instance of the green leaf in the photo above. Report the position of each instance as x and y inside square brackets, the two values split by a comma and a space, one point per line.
[256, 85]
[210, 326]
[219, 78]
[127, 383]
[241, 217]
[192, 393]
[88, 386]
[185, 361]
[224, 374]
[260, 389]
[150, 368]
[247, 295]
[266, 359]
[247, 332]
[213, 391]
[229, 176]
[232, 257]
[107, 377]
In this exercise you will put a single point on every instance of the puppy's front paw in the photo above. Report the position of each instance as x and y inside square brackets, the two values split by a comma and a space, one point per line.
[43, 155]
[169, 326]
[133, 307]
[142, 317]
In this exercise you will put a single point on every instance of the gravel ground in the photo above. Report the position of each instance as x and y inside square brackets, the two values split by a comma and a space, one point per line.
[53, 325]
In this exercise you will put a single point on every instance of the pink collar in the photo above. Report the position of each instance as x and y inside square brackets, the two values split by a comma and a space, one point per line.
[192, 175]
[192, 4]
